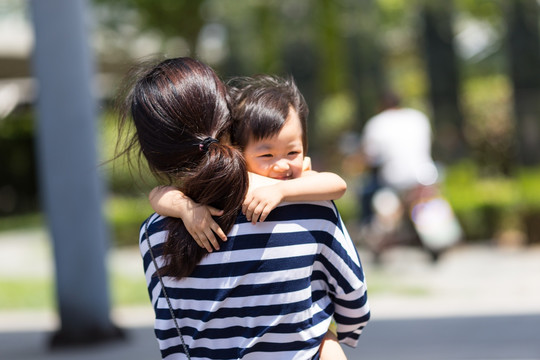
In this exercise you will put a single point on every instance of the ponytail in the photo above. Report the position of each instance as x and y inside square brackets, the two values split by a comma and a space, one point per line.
[220, 181]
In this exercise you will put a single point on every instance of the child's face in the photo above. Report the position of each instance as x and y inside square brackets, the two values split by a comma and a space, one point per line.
[280, 156]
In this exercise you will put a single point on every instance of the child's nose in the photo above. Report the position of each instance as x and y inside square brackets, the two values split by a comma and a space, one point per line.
[282, 165]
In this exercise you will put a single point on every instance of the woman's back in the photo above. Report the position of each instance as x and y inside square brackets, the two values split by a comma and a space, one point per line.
[269, 293]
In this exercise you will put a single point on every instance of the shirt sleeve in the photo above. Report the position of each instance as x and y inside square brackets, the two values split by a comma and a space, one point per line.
[347, 287]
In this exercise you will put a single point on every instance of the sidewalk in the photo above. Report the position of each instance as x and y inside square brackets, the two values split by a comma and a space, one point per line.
[472, 280]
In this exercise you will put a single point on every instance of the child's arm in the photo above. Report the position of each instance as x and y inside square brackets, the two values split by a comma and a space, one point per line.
[264, 196]
[169, 201]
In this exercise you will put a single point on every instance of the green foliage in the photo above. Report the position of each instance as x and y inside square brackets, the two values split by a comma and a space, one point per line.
[322, 44]
[129, 180]
[392, 11]
[128, 173]
[18, 174]
[126, 214]
[348, 207]
[23, 221]
[490, 126]
[26, 293]
[129, 290]
[482, 9]
[334, 115]
[19, 124]
[170, 17]
[487, 206]
[38, 293]
[528, 182]
[381, 283]
[467, 190]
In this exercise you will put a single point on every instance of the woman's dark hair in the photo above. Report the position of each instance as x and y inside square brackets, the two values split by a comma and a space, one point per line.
[261, 106]
[179, 107]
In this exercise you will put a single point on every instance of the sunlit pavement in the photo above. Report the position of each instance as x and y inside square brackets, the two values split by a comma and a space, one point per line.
[479, 302]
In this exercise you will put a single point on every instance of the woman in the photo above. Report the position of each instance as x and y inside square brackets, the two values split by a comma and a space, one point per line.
[180, 110]
[272, 288]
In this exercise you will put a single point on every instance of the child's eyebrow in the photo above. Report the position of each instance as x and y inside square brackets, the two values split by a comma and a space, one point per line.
[263, 146]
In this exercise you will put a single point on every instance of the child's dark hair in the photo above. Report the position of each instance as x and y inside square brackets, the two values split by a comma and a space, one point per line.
[261, 105]
[180, 109]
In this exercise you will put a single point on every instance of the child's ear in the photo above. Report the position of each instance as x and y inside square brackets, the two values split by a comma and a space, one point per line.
[307, 164]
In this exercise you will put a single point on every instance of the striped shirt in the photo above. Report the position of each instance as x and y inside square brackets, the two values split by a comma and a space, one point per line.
[270, 292]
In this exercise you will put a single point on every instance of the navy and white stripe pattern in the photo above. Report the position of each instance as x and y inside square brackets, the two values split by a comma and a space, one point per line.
[269, 293]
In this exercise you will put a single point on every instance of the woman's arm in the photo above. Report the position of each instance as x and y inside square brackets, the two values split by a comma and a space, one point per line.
[197, 218]
[330, 348]
[264, 195]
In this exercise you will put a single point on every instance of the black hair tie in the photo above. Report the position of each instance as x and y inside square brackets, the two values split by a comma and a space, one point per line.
[203, 145]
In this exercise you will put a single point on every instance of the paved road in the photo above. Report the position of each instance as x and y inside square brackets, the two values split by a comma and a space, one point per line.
[480, 302]
[515, 337]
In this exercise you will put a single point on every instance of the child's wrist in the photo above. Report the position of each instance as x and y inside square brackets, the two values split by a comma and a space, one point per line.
[282, 190]
[181, 203]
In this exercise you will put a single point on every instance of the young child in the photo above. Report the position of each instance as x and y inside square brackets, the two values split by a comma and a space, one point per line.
[274, 149]
[270, 128]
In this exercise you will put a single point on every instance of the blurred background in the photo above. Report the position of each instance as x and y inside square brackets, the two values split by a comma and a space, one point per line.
[472, 66]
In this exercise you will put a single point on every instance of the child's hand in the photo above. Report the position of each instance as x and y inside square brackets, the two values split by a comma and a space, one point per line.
[259, 202]
[201, 226]
[169, 201]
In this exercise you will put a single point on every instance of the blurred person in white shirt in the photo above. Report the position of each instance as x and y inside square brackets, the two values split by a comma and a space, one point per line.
[396, 144]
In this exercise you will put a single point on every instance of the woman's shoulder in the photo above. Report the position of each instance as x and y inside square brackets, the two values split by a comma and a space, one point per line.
[153, 224]
[315, 210]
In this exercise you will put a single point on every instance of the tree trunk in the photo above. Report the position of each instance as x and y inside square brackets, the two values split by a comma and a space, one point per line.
[269, 57]
[524, 56]
[442, 70]
[331, 48]
[366, 65]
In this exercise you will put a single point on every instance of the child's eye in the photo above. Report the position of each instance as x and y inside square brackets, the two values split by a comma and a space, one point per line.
[265, 156]
[291, 153]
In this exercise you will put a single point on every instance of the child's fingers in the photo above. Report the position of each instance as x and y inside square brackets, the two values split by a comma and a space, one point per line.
[217, 230]
[247, 201]
[268, 209]
[256, 214]
[264, 213]
[250, 209]
[253, 215]
[201, 241]
[245, 205]
[261, 212]
[207, 244]
[209, 237]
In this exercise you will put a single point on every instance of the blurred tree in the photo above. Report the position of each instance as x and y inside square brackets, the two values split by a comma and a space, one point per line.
[486, 91]
[524, 55]
[335, 109]
[269, 58]
[330, 44]
[18, 182]
[170, 18]
[365, 54]
[443, 79]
